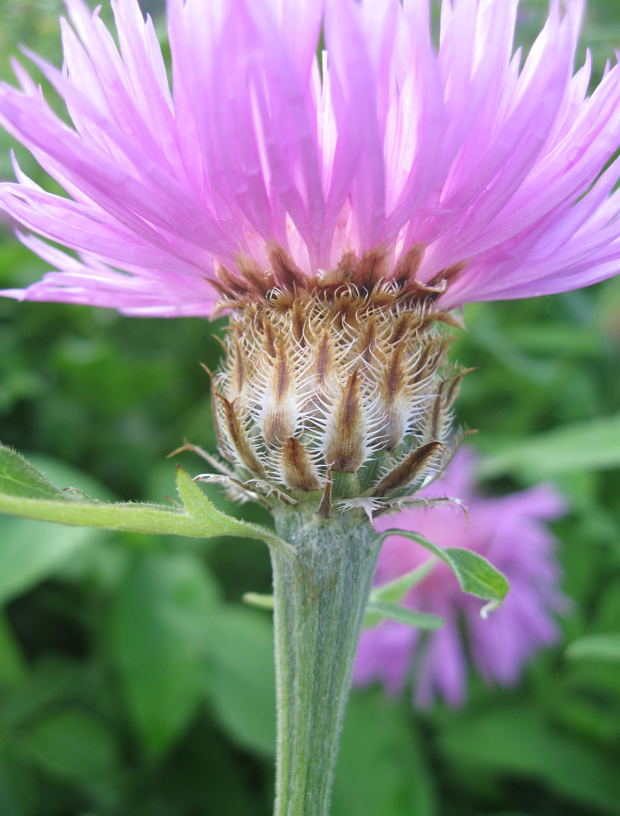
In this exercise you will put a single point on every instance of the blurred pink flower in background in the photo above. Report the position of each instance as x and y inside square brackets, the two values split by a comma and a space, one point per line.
[479, 162]
[510, 532]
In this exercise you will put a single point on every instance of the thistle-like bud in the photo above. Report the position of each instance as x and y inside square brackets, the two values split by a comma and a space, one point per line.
[335, 393]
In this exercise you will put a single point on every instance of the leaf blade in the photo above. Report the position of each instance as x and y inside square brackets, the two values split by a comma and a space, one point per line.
[578, 446]
[419, 620]
[474, 573]
[596, 647]
[25, 493]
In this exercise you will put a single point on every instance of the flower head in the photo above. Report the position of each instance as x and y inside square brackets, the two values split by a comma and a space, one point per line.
[476, 172]
[511, 534]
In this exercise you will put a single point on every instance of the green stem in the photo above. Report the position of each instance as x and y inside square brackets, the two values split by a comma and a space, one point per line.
[321, 592]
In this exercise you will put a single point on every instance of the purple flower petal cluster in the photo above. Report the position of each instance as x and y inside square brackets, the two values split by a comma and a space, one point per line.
[489, 163]
[509, 532]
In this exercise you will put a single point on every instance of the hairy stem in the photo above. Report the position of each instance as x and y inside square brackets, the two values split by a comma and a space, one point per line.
[321, 593]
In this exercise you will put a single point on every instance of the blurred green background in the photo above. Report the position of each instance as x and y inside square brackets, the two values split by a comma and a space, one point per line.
[133, 681]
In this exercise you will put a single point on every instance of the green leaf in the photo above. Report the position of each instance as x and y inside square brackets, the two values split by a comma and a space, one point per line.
[19, 479]
[219, 524]
[72, 744]
[475, 574]
[596, 647]
[240, 678]
[48, 685]
[12, 666]
[381, 769]
[591, 445]
[258, 600]
[394, 590]
[26, 493]
[158, 640]
[375, 611]
[517, 741]
[18, 792]
[31, 551]
[382, 609]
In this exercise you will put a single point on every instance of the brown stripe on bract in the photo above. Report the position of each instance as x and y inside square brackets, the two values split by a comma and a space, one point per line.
[452, 387]
[431, 358]
[368, 340]
[299, 472]
[408, 265]
[409, 469]
[346, 449]
[446, 394]
[346, 310]
[287, 274]
[394, 387]
[451, 319]
[278, 423]
[231, 283]
[325, 507]
[345, 271]
[298, 323]
[236, 438]
[373, 266]
[400, 329]
[449, 275]
[217, 426]
[258, 280]
[237, 364]
[437, 413]
[324, 359]
[269, 338]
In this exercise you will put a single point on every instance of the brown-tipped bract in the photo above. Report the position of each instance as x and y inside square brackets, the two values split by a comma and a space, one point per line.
[336, 391]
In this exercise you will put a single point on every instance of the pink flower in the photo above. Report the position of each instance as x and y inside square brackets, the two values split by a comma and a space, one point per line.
[511, 534]
[491, 170]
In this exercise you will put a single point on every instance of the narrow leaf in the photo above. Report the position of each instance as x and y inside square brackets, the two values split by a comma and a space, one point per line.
[596, 647]
[257, 600]
[394, 590]
[474, 573]
[420, 620]
[12, 664]
[580, 446]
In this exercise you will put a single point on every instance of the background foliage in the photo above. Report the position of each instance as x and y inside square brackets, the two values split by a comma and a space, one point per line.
[132, 678]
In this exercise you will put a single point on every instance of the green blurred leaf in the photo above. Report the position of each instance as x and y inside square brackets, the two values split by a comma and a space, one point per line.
[26, 493]
[376, 610]
[381, 770]
[72, 744]
[18, 789]
[12, 666]
[475, 575]
[158, 631]
[596, 647]
[31, 551]
[518, 741]
[593, 445]
[395, 590]
[258, 600]
[48, 685]
[240, 677]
